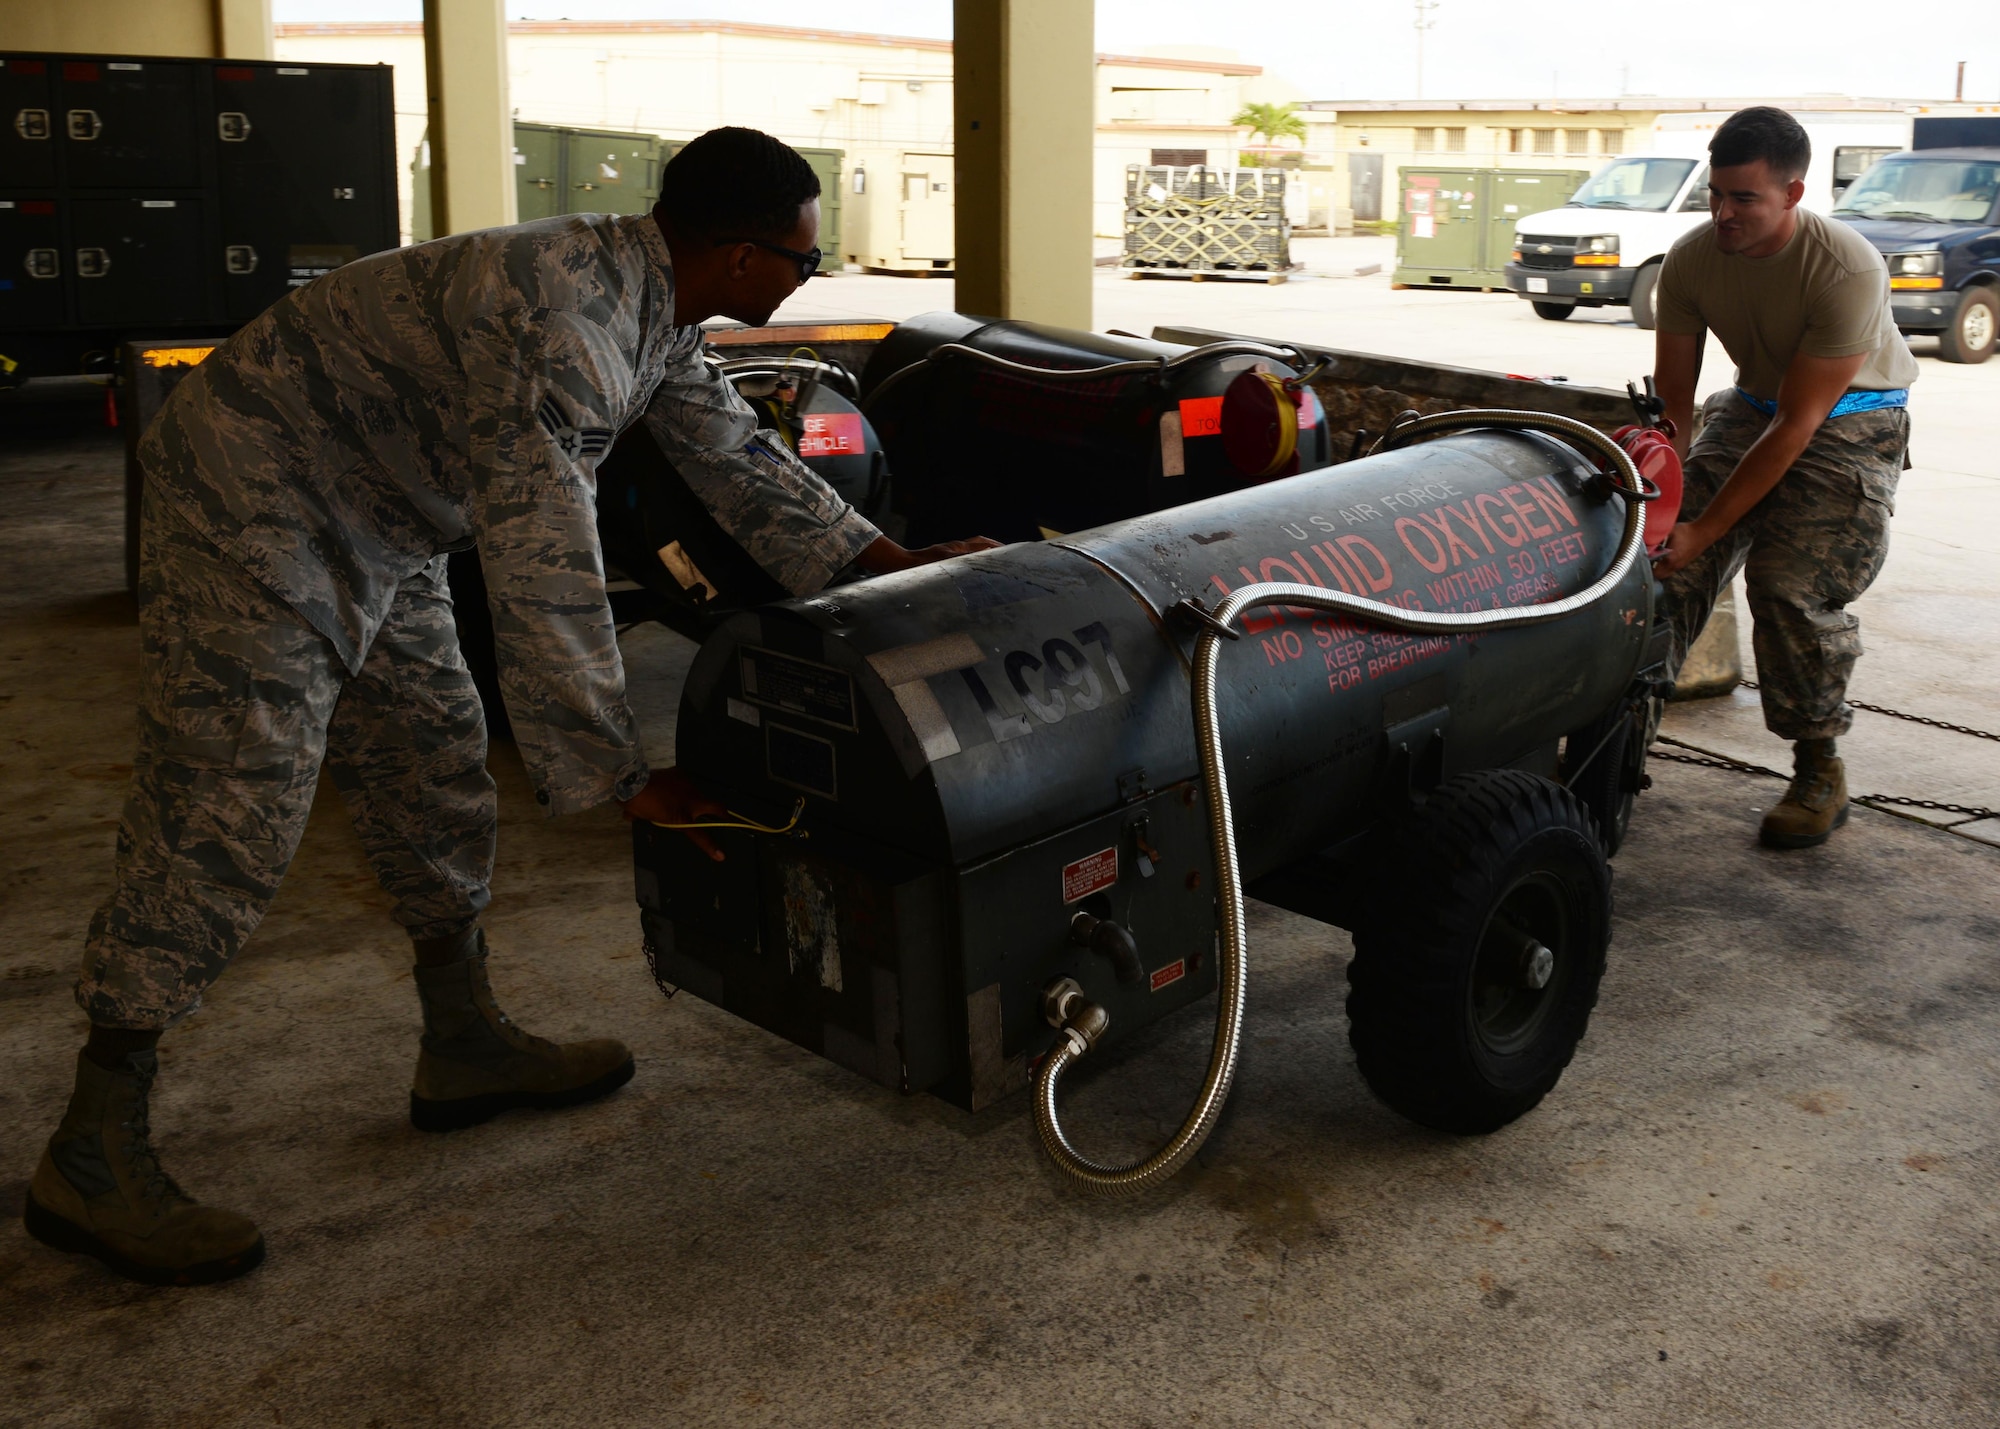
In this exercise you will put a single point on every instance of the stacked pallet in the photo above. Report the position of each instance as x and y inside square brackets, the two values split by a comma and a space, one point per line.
[1196, 222]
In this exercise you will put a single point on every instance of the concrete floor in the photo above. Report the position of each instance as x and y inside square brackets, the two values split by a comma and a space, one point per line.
[1761, 1195]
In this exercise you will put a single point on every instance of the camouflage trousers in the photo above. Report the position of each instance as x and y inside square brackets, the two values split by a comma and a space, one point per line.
[240, 703]
[1810, 547]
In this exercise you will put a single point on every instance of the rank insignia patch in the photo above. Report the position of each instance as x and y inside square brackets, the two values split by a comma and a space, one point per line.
[573, 442]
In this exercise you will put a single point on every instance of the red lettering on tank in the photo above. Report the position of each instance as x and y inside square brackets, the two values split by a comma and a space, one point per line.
[1286, 646]
[1453, 544]
[1343, 576]
[1439, 560]
[1550, 498]
[1465, 513]
[1564, 550]
[1352, 547]
[1525, 511]
[1308, 577]
[1485, 501]
[1410, 654]
[1463, 585]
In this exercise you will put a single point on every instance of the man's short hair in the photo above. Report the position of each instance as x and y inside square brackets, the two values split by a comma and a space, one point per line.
[736, 183]
[1762, 133]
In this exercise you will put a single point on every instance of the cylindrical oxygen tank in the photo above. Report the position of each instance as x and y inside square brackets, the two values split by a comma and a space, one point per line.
[986, 448]
[953, 712]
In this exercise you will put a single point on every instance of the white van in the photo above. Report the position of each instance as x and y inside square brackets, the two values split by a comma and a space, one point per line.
[1603, 248]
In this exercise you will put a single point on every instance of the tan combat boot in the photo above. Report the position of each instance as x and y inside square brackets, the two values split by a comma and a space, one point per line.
[1816, 803]
[476, 1063]
[100, 1191]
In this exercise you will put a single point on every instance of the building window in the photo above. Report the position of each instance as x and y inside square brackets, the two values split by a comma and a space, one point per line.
[1454, 141]
[1545, 140]
[1576, 141]
[1426, 141]
[1613, 140]
[1180, 158]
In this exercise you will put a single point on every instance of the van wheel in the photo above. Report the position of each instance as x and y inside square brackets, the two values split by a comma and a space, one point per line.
[1476, 970]
[1554, 312]
[1975, 325]
[1642, 296]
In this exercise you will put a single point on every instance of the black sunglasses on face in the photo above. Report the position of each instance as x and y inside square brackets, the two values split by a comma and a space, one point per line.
[808, 262]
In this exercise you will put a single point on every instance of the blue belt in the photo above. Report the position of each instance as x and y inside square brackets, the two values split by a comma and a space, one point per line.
[1849, 404]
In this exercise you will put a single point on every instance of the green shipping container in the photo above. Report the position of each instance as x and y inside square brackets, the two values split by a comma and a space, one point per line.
[558, 171]
[1455, 225]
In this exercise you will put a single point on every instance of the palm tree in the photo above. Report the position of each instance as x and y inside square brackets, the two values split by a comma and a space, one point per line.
[1273, 121]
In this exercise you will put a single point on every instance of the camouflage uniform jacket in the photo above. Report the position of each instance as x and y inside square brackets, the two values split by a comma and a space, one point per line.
[458, 394]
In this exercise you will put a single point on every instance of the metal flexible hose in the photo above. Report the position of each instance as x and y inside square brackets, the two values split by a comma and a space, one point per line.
[1140, 1176]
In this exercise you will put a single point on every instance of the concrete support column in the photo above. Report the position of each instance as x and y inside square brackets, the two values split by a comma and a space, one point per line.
[1024, 117]
[471, 121]
[243, 30]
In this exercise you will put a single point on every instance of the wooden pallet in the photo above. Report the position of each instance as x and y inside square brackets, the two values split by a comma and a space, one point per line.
[1240, 275]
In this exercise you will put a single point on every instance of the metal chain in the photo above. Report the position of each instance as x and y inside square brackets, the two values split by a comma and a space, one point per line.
[1913, 719]
[1707, 760]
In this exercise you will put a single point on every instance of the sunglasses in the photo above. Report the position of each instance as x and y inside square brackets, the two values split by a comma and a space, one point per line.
[808, 262]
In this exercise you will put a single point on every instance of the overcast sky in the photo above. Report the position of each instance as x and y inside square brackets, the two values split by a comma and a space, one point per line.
[1476, 48]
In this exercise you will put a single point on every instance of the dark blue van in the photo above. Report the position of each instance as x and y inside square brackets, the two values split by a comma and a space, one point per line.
[1934, 214]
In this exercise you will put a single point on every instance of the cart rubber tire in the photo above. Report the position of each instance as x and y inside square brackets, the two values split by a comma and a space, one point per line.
[1608, 787]
[1647, 279]
[1443, 1018]
[1974, 327]
[1554, 312]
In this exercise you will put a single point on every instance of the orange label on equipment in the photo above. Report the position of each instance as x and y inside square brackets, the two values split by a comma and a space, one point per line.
[1201, 417]
[1173, 972]
[1090, 875]
[832, 434]
[174, 356]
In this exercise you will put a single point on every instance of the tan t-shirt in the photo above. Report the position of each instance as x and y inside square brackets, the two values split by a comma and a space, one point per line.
[1824, 294]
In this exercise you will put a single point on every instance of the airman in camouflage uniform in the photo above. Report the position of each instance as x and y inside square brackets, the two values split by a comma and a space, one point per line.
[302, 488]
[1808, 549]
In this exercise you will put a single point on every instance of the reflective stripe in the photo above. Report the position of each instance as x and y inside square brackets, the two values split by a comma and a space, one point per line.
[1852, 402]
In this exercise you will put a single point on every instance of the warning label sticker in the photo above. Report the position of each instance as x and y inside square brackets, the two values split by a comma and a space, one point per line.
[1201, 416]
[1172, 973]
[1090, 875]
[831, 434]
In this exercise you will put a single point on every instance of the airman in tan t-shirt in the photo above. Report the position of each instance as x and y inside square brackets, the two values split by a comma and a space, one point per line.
[1824, 294]
[1792, 478]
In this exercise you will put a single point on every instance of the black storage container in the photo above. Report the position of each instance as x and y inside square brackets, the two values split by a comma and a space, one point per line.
[181, 196]
[305, 171]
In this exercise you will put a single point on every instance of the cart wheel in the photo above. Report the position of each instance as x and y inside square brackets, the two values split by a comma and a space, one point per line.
[1554, 312]
[1473, 981]
[1608, 786]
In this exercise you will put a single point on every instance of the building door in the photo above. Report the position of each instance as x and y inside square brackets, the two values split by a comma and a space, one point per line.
[1364, 186]
[927, 208]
